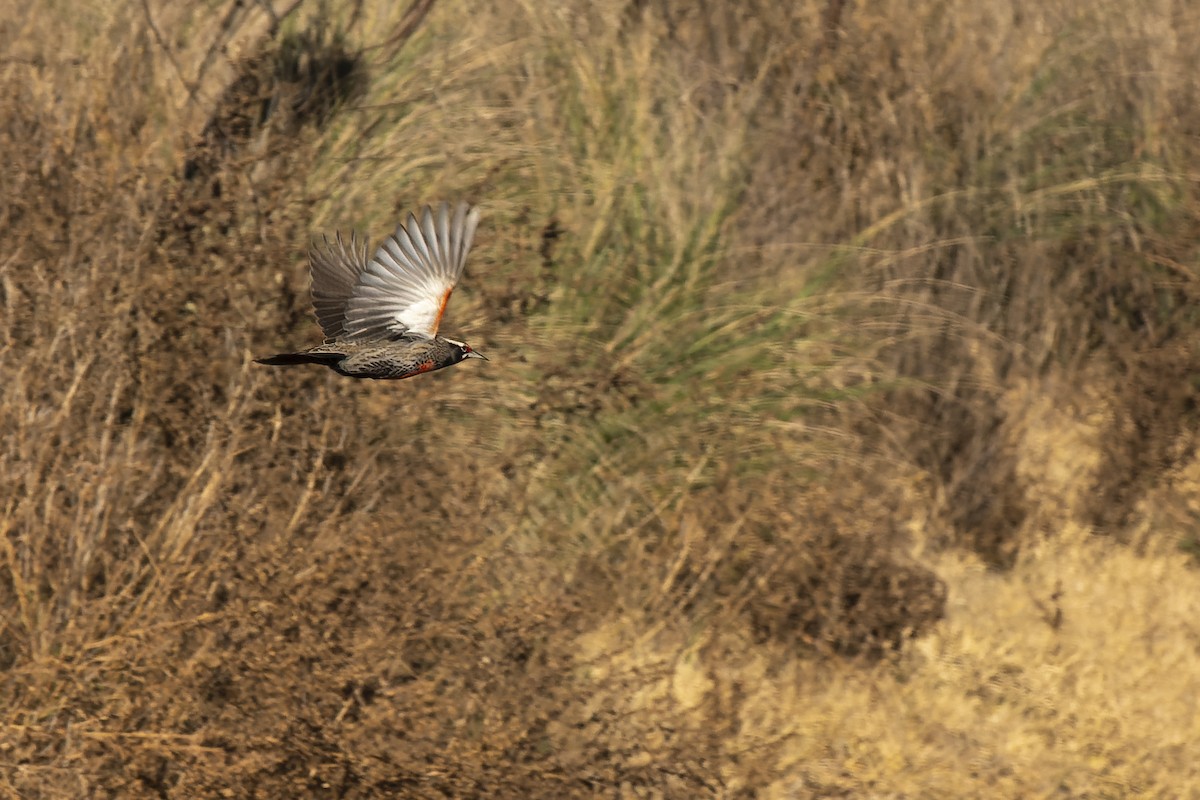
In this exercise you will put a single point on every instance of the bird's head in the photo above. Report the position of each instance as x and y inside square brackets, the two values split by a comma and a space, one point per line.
[463, 351]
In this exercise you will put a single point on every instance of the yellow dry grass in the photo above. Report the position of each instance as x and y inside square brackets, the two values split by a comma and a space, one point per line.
[1073, 676]
[838, 438]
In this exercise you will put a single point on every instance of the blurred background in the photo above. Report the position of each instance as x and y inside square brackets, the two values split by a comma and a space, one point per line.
[838, 438]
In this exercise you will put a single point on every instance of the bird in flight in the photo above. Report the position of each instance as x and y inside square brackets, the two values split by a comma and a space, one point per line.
[381, 316]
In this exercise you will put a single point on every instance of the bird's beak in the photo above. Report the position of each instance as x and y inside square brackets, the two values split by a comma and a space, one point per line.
[473, 354]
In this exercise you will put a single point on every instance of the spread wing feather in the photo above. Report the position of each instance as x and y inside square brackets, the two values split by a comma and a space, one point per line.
[407, 283]
[335, 268]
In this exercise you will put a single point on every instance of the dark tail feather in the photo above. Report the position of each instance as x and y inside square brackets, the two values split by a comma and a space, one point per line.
[288, 359]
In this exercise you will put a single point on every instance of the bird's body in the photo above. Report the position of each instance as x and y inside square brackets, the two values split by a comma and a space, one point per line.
[381, 359]
[380, 316]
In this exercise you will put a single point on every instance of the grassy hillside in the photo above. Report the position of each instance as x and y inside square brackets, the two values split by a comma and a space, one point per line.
[837, 439]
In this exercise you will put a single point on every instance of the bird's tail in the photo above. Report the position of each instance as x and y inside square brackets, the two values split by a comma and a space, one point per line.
[288, 359]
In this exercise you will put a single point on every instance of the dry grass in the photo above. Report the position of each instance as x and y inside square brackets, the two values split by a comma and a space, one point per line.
[837, 439]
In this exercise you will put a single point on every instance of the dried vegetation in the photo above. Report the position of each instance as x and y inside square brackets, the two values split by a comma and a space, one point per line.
[838, 439]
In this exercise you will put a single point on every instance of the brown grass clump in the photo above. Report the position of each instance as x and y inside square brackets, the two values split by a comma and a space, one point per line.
[825, 339]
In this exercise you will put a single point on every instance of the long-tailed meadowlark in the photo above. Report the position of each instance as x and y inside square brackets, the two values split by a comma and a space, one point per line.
[381, 316]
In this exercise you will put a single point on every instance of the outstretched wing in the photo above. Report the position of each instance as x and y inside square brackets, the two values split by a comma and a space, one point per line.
[405, 287]
[335, 268]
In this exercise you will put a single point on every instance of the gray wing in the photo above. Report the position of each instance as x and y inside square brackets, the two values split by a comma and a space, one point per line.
[335, 269]
[406, 285]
